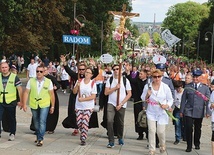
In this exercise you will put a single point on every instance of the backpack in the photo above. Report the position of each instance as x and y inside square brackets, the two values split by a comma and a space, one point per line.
[103, 99]
[124, 80]
[142, 119]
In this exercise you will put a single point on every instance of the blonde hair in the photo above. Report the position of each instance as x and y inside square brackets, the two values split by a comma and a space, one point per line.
[157, 71]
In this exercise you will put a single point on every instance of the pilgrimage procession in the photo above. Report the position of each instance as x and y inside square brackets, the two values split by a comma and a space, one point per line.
[84, 78]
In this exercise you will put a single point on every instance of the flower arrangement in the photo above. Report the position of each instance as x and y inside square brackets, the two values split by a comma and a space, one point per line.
[75, 32]
[118, 36]
[158, 103]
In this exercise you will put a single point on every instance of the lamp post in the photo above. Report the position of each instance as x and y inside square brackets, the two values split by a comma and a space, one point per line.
[198, 44]
[212, 42]
[101, 43]
[75, 3]
[75, 31]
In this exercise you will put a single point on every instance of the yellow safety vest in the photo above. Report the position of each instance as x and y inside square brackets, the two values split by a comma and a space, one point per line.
[10, 89]
[42, 99]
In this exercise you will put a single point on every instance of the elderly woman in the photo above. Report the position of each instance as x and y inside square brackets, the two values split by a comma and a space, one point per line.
[86, 93]
[159, 98]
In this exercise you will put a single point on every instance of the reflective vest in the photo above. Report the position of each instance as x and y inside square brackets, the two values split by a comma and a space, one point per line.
[10, 89]
[42, 99]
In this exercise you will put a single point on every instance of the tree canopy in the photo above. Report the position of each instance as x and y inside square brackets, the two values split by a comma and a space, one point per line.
[38, 25]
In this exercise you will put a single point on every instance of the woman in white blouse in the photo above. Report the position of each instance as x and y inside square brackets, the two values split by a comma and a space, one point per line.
[159, 99]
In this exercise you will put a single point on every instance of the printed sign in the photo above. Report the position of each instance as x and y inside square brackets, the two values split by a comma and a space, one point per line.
[106, 58]
[159, 59]
[76, 39]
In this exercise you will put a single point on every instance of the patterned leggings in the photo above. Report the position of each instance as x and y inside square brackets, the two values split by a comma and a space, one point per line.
[83, 117]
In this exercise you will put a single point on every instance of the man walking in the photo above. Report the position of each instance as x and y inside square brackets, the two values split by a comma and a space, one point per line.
[193, 109]
[114, 109]
[41, 95]
[9, 84]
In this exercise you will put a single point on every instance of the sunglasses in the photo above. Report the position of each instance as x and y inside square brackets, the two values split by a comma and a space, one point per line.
[81, 69]
[115, 69]
[39, 71]
[157, 77]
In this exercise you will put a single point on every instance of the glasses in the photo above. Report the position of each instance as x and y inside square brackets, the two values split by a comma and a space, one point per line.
[116, 69]
[155, 77]
[81, 69]
[39, 71]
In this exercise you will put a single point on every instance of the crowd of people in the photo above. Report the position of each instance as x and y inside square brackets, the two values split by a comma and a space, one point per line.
[176, 87]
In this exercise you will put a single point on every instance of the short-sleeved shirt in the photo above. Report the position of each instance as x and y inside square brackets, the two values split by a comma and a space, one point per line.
[86, 90]
[32, 69]
[16, 84]
[112, 99]
[39, 85]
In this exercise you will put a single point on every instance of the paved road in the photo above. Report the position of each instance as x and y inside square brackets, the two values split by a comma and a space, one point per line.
[63, 143]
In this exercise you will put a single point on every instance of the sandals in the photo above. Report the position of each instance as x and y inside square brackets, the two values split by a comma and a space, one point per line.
[50, 132]
[40, 143]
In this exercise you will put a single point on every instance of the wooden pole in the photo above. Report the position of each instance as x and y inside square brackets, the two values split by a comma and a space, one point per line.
[120, 72]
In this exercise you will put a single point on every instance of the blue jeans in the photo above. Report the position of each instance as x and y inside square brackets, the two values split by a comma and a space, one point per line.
[99, 88]
[12, 117]
[178, 124]
[39, 119]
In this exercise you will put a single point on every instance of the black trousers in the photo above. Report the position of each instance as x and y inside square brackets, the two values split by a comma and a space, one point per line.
[197, 122]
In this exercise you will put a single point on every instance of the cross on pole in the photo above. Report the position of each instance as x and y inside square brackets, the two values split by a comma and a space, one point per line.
[123, 16]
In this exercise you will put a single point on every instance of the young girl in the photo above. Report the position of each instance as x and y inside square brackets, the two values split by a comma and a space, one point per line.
[86, 93]
[176, 112]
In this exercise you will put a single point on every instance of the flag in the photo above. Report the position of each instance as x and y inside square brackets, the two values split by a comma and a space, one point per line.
[169, 38]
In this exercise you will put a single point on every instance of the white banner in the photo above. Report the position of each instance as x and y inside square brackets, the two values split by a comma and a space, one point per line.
[169, 38]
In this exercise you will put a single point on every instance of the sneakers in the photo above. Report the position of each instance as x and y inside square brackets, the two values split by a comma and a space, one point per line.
[120, 141]
[176, 142]
[11, 137]
[83, 143]
[110, 145]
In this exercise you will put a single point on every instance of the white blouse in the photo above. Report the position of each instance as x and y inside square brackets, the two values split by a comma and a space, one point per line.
[162, 96]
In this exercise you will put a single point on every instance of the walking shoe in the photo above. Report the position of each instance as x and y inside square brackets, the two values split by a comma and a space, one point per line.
[151, 152]
[83, 143]
[176, 142]
[162, 149]
[11, 137]
[110, 145]
[140, 137]
[76, 131]
[40, 143]
[120, 141]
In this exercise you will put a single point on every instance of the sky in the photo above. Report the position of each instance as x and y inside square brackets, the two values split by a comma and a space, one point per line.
[147, 9]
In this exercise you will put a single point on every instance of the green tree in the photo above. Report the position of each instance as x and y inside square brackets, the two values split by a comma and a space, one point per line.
[144, 39]
[183, 20]
[158, 41]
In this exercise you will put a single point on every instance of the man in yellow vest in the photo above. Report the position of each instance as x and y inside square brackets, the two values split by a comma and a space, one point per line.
[9, 84]
[41, 95]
